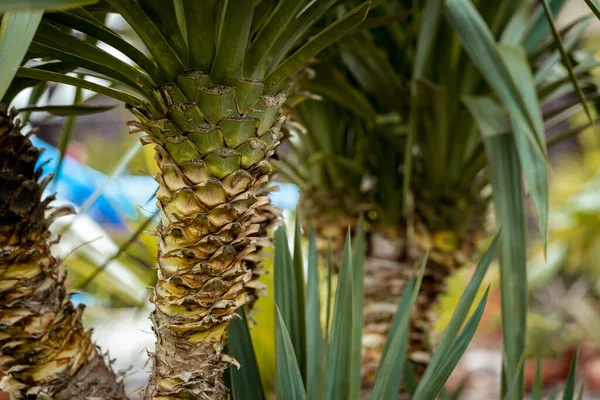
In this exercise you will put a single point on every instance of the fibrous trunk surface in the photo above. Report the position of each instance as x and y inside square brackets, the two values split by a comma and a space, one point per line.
[44, 348]
[212, 146]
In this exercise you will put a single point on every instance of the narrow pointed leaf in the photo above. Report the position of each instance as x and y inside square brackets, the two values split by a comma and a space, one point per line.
[505, 175]
[539, 25]
[392, 364]
[337, 376]
[570, 387]
[289, 379]
[65, 136]
[36, 93]
[164, 16]
[246, 383]
[314, 335]
[48, 50]
[51, 36]
[322, 40]
[328, 305]
[514, 385]
[358, 305]
[19, 84]
[36, 73]
[298, 28]
[287, 289]
[461, 311]
[536, 391]
[594, 6]
[429, 389]
[300, 303]
[16, 32]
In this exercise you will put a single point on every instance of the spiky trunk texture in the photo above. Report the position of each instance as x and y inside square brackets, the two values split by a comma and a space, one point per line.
[268, 218]
[212, 146]
[44, 347]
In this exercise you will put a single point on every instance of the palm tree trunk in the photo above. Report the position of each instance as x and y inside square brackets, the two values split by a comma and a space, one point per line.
[44, 348]
[213, 170]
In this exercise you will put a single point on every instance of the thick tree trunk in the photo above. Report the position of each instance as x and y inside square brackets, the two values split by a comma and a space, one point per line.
[44, 348]
[212, 151]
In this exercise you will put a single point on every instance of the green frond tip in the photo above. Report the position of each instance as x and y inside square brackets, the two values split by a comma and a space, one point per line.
[322, 40]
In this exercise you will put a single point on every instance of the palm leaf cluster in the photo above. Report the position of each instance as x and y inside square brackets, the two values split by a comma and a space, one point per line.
[422, 109]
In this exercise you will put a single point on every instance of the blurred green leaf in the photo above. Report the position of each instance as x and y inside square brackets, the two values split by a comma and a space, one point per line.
[533, 165]
[246, 384]
[570, 387]
[314, 335]
[289, 380]
[358, 305]
[300, 303]
[505, 175]
[16, 32]
[339, 360]
[539, 27]
[48, 5]
[288, 292]
[536, 391]
[484, 53]
[36, 93]
[425, 42]
[567, 61]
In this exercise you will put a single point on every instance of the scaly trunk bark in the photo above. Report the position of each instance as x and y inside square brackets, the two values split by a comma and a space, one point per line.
[44, 348]
[212, 147]
[268, 218]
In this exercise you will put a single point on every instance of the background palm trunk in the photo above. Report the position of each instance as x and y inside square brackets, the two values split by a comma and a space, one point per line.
[391, 258]
[44, 347]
